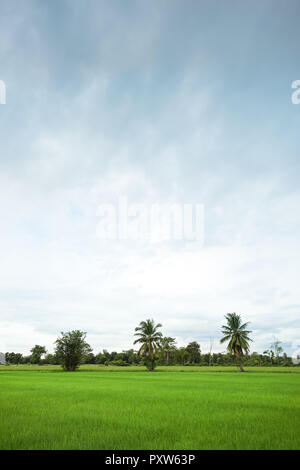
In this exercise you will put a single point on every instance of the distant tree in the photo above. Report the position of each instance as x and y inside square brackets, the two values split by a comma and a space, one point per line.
[275, 346]
[13, 358]
[26, 359]
[182, 356]
[107, 356]
[150, 338]
[89, 358]
[50, 359]
[236, 333]
[113, 355]
[286, 361]
[130, 356]
[194, 351]
[10, 357]
[36, 354]
[18, 358]
[71, 349]
[102, 358]
[270, 355]
[167, 346]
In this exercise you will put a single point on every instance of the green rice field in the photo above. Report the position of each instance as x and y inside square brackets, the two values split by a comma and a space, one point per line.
[42, 407]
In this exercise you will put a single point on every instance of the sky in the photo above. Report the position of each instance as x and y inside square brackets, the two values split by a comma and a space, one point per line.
[161, 101]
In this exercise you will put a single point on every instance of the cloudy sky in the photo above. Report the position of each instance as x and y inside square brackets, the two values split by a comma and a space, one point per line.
[161, 101]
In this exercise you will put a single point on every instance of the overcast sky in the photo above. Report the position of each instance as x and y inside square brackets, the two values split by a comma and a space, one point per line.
[161, 101]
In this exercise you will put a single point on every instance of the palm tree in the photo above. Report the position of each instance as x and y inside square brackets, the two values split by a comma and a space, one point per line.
[238, 337]
[150, 338]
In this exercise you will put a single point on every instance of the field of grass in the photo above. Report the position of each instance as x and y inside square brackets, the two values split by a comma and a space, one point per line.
[125, 410]
[102, 368]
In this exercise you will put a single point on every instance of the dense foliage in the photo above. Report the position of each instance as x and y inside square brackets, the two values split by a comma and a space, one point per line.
[155, 349]
[237, 335]
[71, 349]
[177, 356]
[149, 339]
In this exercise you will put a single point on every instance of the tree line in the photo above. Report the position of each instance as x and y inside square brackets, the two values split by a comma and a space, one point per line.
[71, 350]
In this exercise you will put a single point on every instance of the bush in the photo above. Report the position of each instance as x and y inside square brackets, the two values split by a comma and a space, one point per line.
[119, 362]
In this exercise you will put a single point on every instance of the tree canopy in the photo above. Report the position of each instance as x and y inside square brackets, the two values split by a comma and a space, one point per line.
[71, 349]
[237, 335]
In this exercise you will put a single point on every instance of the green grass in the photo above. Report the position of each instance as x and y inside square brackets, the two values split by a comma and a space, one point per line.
[102, 368]
[126, 410]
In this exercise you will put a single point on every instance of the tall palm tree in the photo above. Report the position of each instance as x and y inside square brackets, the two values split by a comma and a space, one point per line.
[237, 334]
[150, 339]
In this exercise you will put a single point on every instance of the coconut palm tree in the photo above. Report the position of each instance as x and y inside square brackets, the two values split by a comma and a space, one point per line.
[237, 334]
[150, 339]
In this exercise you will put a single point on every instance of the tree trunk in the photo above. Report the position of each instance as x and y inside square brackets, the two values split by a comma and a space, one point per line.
[151, 358]
[239, 361]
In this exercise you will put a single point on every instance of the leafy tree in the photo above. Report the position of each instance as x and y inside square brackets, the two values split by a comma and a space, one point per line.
[36, 354]
[102, 358]
[275, 346]
[89, 358]
[287, 361]
[150, 338]
[113, 355]
[14, 358]
[10, 357]
[26, 359]
[236, 333]
[167, 345]
[51, 359]
[182, 356]
[205, 359]
[270, 355]
[18, 358]
[130, 356]
[194, 351]
[71, 349]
